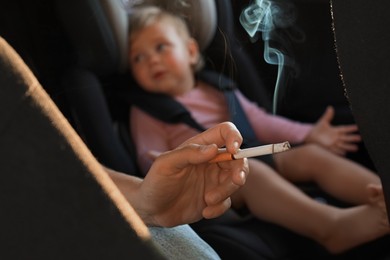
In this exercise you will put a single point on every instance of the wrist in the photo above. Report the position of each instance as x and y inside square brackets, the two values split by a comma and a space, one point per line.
[138, 199]
[131, 189]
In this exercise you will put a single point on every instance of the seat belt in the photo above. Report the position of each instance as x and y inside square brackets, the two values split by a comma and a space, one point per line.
[239, 118]
[160, 106]
[167, 109]
[236, 113]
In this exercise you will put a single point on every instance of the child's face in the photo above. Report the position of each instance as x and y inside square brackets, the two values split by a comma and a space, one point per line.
[161, 60]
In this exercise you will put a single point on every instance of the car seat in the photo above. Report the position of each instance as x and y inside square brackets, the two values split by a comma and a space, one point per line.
[364, 70]
[91, 75]
[56, 200]
[96, 29]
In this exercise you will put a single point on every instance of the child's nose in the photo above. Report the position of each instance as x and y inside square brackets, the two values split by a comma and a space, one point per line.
[153, 58]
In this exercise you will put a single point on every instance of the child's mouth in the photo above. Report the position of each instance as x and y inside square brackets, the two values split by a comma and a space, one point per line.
[158, 75]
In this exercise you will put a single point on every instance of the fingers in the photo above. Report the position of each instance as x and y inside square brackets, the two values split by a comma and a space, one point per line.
[232, 137]
[350, 138]
[216, 210]
[348, 147]
[218, 200]
[348, 133]
[190, 154]
[237, 176]
[239, 171]
[224, 134]
[346, 140]
[221, 192]
[343, 148]
[348, 128]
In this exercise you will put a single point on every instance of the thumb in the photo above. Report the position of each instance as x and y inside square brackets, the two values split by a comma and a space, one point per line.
[328, 115]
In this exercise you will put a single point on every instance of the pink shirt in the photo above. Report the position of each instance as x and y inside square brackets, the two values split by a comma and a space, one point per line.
[208, 107]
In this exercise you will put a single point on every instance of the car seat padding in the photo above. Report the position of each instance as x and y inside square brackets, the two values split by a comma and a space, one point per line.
[56, 200]
[363, 47]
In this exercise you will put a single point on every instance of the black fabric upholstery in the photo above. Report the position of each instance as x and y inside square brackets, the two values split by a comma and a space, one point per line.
[363, 48]
[317, 83]
[102, 56]
[51, 205]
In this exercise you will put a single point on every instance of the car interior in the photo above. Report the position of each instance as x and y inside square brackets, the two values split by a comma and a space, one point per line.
[77, 51]
[57, 201]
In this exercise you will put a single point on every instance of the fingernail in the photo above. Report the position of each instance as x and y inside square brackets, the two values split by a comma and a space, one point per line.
[205, 148]
[242, 176]
[236, 145]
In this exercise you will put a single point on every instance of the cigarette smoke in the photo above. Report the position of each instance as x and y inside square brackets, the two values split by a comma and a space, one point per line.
[266, 17]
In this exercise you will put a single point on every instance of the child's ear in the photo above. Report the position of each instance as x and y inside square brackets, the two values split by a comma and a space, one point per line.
[193, 50]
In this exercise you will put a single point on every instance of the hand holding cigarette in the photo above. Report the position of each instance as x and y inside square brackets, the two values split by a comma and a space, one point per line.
[251, 152]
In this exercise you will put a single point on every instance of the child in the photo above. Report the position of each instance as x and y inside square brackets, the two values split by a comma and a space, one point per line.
[163, 58]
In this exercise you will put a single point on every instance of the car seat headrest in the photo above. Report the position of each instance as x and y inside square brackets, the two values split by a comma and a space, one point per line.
[118, 22]
[98, 29]
[97, 32]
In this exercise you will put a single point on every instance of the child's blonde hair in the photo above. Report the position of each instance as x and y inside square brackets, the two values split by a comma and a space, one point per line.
[141, 17]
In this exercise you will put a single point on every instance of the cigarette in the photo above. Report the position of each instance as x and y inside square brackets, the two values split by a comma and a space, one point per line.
[251, 152]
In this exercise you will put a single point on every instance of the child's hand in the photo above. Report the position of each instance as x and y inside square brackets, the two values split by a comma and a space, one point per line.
[337, 139]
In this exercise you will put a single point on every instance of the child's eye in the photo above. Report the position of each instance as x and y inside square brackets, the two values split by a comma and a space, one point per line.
[161, 47]
[138, 58]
